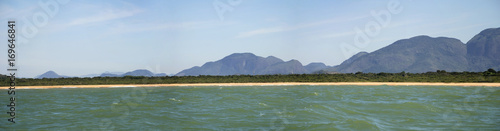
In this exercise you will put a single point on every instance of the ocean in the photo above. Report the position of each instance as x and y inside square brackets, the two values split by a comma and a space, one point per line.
[256, 108]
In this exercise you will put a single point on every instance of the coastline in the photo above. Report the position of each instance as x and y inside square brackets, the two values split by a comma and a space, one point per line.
[264, 84]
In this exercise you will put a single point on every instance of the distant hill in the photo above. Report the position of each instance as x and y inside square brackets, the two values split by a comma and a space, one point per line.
[50, 74]
[248, 64]
[423, 53]
[316, 66]
[107, 74]
[161, 74]
[139, 72]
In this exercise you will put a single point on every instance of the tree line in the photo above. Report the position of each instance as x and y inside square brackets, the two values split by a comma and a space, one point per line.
[439, 76]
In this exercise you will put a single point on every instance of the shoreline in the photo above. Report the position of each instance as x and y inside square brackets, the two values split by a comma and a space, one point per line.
[264, 84]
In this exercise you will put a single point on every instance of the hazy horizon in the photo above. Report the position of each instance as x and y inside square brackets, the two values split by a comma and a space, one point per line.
[77, 38]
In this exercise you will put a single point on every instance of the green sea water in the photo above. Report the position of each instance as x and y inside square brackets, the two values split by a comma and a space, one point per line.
[256, 108]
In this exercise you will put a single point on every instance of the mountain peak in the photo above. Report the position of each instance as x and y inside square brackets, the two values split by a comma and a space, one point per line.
[421, 37]
[294, 61]
[424, 39]
[316, 64]
[49, 74]
[239, 55]
[139, 72]
[272, 57]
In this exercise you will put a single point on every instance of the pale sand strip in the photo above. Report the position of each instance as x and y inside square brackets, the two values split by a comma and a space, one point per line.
[265, 84]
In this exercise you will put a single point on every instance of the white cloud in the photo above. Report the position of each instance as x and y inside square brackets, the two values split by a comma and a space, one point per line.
[262, 31]
[392, 25]
[296, 27]
[103, 16]
[341, 34]
[6, 11]
[141, 27]
[444, 22]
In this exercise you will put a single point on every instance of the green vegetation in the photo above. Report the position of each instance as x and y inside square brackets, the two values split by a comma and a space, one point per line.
[438, 76]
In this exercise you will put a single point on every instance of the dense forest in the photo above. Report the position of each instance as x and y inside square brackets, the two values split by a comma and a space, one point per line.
[439, 76]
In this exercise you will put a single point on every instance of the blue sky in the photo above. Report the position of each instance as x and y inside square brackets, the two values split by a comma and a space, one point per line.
[167, 36]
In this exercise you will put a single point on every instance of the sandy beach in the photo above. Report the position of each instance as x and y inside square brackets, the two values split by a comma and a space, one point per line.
[264, 84]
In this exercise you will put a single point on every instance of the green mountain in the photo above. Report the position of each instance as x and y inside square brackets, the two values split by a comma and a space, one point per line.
[417, 54]
[50, 74]
[139, 72]
[424, 53]
[247, 64]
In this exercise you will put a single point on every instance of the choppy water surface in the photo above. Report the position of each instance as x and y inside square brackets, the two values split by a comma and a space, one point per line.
[258, 108]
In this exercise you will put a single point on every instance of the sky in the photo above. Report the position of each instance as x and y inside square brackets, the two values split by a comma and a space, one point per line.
[76, 37]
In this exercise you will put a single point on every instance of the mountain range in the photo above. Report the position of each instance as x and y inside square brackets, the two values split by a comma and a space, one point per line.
[417, 54]
[423, 53]
[250, 64]
[139, 72]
